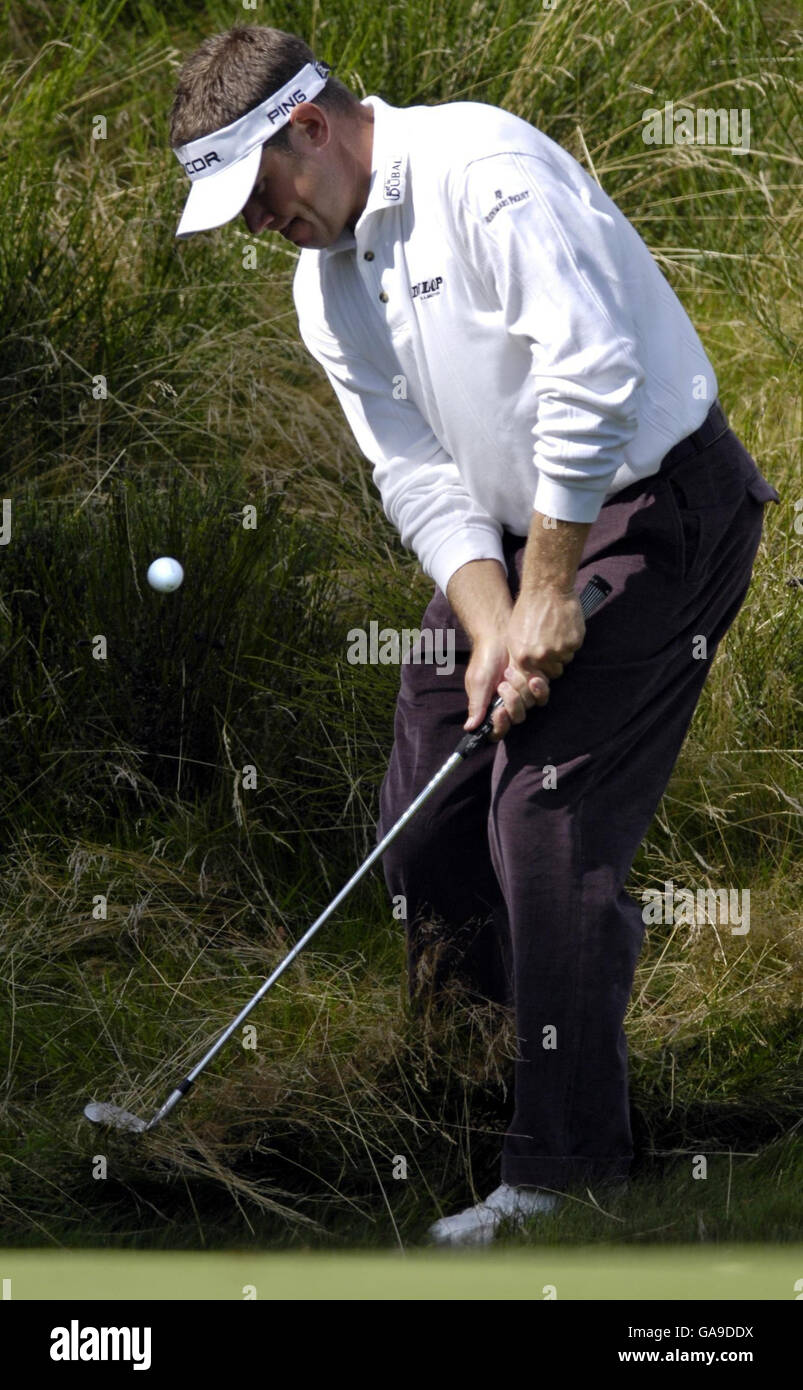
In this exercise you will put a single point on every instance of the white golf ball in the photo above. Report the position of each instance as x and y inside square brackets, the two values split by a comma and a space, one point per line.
[165, 574]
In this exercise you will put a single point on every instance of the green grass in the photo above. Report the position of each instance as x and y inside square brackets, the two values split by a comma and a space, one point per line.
[730, 1272]
[128, 777]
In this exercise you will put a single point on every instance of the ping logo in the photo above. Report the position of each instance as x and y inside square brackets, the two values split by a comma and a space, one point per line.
[283, 107]
[504, 202]
[194, 166]
[425, 289]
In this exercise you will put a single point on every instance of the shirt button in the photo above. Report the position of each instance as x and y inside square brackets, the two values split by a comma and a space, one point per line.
[384, 297]
[368, 256]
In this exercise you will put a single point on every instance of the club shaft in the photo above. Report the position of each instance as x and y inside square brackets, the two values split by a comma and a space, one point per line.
[443, 772]
[593, 594]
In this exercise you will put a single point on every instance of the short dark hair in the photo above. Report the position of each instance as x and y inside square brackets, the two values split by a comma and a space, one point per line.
[231, 73]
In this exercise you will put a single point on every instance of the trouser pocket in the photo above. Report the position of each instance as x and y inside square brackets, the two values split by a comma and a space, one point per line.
[706, 493]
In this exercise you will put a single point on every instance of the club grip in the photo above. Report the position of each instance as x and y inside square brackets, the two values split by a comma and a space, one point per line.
[595, 591]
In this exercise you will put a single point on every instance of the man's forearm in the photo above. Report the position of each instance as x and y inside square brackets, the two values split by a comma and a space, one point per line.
[478, 593]
[552, 555]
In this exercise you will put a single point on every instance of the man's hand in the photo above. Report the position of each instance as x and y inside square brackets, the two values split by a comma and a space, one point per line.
[480, 596]
[517, 649]
[491, 672]
[543, 633]
[546, 626]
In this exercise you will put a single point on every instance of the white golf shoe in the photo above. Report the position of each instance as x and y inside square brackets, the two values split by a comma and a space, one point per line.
[478, 1225]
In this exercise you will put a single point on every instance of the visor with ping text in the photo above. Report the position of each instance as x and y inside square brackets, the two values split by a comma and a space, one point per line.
[222, 167]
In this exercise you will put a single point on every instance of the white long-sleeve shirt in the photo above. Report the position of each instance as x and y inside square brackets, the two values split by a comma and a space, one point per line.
[498, 334]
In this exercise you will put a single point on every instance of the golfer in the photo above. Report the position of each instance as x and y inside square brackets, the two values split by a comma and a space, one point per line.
[537, 407]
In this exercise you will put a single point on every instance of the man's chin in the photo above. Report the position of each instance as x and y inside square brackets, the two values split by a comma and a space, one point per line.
[307, 237]
[300, 233]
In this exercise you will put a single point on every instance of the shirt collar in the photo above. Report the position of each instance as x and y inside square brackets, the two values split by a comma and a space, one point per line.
[389, 168]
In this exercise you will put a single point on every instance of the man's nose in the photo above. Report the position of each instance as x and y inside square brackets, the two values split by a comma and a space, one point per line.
[257, 218]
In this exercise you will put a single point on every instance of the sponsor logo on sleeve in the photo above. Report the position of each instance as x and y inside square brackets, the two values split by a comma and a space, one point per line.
[505, 202]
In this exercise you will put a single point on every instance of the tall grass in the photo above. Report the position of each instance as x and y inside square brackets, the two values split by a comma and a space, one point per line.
[128, 776]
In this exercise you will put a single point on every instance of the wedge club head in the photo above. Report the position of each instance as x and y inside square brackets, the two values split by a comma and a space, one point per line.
[101, 1113]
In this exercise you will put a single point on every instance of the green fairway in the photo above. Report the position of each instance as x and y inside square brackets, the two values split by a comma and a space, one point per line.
[729, 1272]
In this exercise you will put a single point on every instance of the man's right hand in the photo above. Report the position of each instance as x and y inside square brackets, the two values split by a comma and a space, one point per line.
[479, 594]
[485, 678]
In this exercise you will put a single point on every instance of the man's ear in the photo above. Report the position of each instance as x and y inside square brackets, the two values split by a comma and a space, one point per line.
[309, 127]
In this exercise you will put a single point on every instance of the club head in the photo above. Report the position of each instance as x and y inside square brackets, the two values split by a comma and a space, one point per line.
[101, 1113]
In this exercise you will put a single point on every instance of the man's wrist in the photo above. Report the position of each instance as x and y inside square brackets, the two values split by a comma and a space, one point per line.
[552, 557]
[541, 588]
[478, 593]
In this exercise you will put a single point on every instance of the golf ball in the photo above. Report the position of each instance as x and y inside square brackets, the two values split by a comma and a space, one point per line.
[165, 574]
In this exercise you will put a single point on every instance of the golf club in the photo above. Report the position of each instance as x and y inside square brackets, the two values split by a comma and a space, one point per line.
[103, 1113]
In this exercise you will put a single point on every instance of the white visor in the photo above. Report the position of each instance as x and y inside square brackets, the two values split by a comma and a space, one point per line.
[222, 167]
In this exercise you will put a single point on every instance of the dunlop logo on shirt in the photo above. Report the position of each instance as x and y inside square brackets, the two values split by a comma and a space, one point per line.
[426, 288]
[503, 202]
